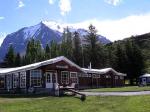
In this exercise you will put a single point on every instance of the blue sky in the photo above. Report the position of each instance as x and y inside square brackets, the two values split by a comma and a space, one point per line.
[115, 19]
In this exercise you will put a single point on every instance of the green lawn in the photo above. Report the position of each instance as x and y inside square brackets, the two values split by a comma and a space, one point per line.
[72, 104]
[124, 89]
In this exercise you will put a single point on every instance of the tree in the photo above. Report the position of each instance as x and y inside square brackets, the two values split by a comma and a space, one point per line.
[47, 52]
[120, 58]
[110, 56]
[66, 45]
[10, 57]
[34, 51]
[77, 50]
[17, 60]
[135, 64]
[54, 49]
[93, 48]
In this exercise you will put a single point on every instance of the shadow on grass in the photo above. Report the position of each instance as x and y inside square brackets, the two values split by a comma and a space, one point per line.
[82, 98]
[23, 95]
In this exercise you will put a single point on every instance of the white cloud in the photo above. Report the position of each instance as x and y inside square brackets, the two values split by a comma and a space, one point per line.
[1, 17]
[65, 6]
[121, 28]
[2, 36]
[113, 2]
[20, 4]
[51, 2]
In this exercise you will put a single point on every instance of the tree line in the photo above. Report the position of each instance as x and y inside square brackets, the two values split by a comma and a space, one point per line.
[124, 56]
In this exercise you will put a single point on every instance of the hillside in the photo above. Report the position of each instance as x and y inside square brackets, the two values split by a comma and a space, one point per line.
[143, 41]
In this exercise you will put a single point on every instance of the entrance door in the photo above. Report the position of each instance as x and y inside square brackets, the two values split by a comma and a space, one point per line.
[49, 83]
[144, 81]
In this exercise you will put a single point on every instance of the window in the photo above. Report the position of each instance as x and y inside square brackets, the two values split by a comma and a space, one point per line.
[96, 76]
[74, 78]
[116, 77]
[15, 80]
[108, 76]
[121, 77]
[9, 81]
[2, 81]
[64, 77]
[89, 75]
[22, 79]
[84, 75]
[35, 78]
[48, 77]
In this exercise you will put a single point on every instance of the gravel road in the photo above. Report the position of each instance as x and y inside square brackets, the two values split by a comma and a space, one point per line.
[116, 93]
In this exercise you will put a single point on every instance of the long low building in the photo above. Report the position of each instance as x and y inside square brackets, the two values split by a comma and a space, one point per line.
[46, 75]
[107, 77]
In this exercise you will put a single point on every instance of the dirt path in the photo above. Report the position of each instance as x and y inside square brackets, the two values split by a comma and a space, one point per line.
[116, 93]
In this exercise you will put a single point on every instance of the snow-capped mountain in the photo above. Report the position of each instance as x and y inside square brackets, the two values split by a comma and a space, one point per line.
[44, 31]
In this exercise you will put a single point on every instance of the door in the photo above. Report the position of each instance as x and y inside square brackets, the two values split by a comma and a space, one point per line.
[49, 83]
[144, 81]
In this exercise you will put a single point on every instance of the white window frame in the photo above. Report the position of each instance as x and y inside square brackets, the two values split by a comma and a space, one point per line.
[4, 81]
[72, 78]
[68, 77]
[15, 80]
[21, 83]
[40, 77]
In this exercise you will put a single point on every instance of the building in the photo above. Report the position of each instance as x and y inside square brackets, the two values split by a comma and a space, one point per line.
[46, 76]
[144, 79]
[95, 78]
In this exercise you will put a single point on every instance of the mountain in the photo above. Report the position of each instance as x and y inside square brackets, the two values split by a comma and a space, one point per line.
[44, 31]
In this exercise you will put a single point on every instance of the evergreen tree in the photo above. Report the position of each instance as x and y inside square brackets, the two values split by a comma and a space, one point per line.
[110, 56]
[34, 52]
[17, 60]
[135, 64]
[10, 57]
[66, 45]
[54, 49]
[120, 58]
[77, 50]
[39, 51]
[47, 52]
[93, 48]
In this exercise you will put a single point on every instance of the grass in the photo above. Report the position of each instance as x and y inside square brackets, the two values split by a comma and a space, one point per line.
[120, 89]
[72, 104]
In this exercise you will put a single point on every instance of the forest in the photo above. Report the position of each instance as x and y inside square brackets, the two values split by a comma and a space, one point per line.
[125, 56]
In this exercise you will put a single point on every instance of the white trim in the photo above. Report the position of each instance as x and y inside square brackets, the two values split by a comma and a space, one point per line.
[103, 71]
[74, 77]
[41, 77]
[68, 77]
[39, 64]
[24, 73]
